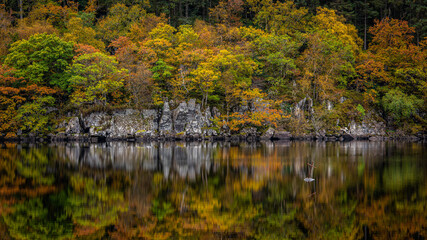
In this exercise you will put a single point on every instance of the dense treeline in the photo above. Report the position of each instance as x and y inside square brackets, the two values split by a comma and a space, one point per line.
[363, 57]
[362, 14]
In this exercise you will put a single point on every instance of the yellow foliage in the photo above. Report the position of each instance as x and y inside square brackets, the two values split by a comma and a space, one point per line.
[328, 20]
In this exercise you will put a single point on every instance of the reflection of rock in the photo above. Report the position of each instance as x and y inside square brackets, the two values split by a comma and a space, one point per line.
[184, 159]
[165, 157]
[189, 160]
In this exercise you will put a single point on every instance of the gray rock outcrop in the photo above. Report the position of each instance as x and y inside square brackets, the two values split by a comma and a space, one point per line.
[366, 130]
[73, 126]
[166, 124]
[186, 121]
[282, 135]
[268, 134]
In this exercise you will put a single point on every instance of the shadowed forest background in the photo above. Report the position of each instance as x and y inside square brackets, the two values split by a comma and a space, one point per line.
[367, 59]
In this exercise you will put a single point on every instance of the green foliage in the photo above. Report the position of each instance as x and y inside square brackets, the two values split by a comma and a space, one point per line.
[289, 50]
[34, 116]
[42, 59]
[33, 165]
[79, 33]
[40, 219]
[277, 55]
[162, 73]
[94, 77]
[325, 65]
[92, 204]
[161, 210]
[118, 21]
[361, 110]
[400, 106]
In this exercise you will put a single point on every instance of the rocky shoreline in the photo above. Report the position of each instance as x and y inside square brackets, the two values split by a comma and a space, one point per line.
[188, 122]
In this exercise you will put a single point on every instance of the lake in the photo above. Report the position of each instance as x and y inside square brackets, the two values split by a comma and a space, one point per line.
[214, 190]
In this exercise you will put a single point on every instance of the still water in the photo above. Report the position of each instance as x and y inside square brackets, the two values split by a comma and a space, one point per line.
[271, 190]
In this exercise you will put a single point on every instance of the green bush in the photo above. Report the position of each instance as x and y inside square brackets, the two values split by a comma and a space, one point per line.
[400, 106]
[361, 110]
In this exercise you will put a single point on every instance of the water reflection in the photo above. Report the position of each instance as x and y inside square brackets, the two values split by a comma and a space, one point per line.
[214, 190]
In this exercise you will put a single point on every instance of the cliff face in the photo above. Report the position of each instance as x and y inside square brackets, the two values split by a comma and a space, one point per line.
[188, 122]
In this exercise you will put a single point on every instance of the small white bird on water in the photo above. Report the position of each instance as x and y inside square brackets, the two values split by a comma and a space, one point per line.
[308, 179]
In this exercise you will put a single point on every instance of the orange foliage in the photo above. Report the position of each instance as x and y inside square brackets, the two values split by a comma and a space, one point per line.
[390, 33]
[139, 31]
[53, 13]
[227, 12]
[13, 93]
[26, 29]
[262, 115]
[137, 60]
[392, 42]
[81, 49]
[370, 72]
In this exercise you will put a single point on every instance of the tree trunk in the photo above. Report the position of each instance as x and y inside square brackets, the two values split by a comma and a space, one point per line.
[180, 9]
[21, 12]
[364, 34]
[186, 9]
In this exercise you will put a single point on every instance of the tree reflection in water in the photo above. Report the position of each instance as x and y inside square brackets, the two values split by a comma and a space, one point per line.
[269, 190]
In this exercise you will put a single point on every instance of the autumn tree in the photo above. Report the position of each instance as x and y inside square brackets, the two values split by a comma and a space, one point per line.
[189, 54]
[36, 116]
[20, 103]
[390, 38]
[259, 113]
[138, 60]
[53, 13]
[404, 62]
[325, 65]
[94, 77]
[42, 59]
[79, 33]
[400, 106]
[9, 100]
[205, 78]
[279, 17]
[25, 29]
[227, 12]
[161, 40]
[139, 31]
[371, 72]
[118, 21]
[329, 21]
[276, 55]
[236, 72]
